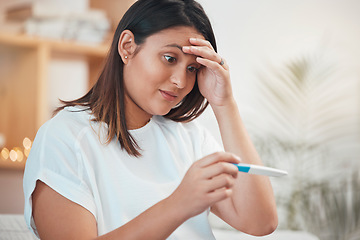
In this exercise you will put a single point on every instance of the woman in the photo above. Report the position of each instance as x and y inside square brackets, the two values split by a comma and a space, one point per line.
[126, 161]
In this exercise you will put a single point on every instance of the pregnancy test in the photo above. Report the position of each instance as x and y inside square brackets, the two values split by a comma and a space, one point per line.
[260, 170]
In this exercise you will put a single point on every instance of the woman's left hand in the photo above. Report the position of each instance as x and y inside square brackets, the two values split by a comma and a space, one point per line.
[213, 78]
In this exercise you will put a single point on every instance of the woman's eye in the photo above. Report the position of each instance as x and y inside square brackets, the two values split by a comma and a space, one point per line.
[170, 59]
[192, 69]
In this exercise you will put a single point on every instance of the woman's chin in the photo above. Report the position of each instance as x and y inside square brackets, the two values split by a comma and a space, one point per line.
[163, 111]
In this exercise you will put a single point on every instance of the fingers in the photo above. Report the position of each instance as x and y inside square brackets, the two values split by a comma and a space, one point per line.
[201, 42]
[220, 168]
[211, 64]
[219, 195]
[218, 157]
[220, 181]
[204, 49]
[208, 180]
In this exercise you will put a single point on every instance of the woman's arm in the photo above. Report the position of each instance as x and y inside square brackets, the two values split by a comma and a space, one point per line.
[207, 181]
[251, 207]
[56, 217]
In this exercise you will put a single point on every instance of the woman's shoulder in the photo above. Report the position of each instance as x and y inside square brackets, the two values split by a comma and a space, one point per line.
[74, 114]
[68, 121]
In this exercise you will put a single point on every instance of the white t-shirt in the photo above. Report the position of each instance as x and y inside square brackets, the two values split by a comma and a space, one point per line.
[69, 156]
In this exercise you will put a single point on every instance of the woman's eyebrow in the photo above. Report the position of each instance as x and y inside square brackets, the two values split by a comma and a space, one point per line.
[176, 46]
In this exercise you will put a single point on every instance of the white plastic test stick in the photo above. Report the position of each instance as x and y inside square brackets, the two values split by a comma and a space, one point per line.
[260, 170]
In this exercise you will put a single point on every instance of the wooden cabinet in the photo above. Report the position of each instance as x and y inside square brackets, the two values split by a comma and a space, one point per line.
[24, 64]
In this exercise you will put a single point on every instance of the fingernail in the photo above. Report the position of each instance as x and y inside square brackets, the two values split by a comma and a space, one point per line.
[192, 39]
[186, 48]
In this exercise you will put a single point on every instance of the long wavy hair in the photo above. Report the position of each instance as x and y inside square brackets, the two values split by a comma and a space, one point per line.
[106, 98]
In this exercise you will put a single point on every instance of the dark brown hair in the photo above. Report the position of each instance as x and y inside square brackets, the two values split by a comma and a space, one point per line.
[144, 18]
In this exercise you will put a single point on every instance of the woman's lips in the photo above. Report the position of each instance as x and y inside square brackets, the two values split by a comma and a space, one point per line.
[169, 96]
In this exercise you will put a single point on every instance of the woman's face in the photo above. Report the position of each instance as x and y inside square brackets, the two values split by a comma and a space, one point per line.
[160, 75]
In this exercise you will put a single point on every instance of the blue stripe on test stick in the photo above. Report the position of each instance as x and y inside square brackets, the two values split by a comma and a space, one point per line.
[243, 168]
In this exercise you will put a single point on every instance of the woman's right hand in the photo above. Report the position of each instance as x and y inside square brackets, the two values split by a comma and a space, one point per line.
[208, 180]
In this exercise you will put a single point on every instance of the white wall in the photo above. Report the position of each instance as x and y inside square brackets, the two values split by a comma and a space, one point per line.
[252, 35]
[258, 36]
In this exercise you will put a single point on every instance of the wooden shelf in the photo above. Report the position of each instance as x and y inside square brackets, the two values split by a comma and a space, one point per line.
[24, 41]
[24, 62]
[8, 164]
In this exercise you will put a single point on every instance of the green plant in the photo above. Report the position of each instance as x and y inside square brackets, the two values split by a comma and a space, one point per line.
[332, 211]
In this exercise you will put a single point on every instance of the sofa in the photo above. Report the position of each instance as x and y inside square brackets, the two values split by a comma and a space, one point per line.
[13, 227]
[222, 231]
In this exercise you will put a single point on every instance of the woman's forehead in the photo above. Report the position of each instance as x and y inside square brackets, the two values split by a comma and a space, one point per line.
[174, 35]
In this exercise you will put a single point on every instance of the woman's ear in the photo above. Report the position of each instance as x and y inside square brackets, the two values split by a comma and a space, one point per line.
[126, 45]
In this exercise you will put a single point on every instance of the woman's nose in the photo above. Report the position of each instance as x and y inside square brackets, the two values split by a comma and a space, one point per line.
[179, 79]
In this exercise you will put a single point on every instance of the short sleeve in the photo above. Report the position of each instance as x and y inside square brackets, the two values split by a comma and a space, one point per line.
[55, 160]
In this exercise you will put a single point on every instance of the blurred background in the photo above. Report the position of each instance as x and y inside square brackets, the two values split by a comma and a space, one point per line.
[295, 70]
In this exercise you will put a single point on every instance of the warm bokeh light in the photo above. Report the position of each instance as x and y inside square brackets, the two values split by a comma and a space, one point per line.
[17, 154]
[27, 152]
[20, 155]
[13, 155]
[5, 153]
[2, 140]
[27, 143]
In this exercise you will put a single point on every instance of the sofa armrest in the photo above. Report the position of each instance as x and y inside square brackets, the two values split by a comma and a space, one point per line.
[13, 226]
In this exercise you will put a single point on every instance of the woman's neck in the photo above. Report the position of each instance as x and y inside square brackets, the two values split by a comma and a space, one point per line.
[131, 124]
[135, 116]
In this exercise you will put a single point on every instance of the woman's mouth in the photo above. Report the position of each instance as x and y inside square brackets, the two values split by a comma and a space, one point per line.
[169, 96]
